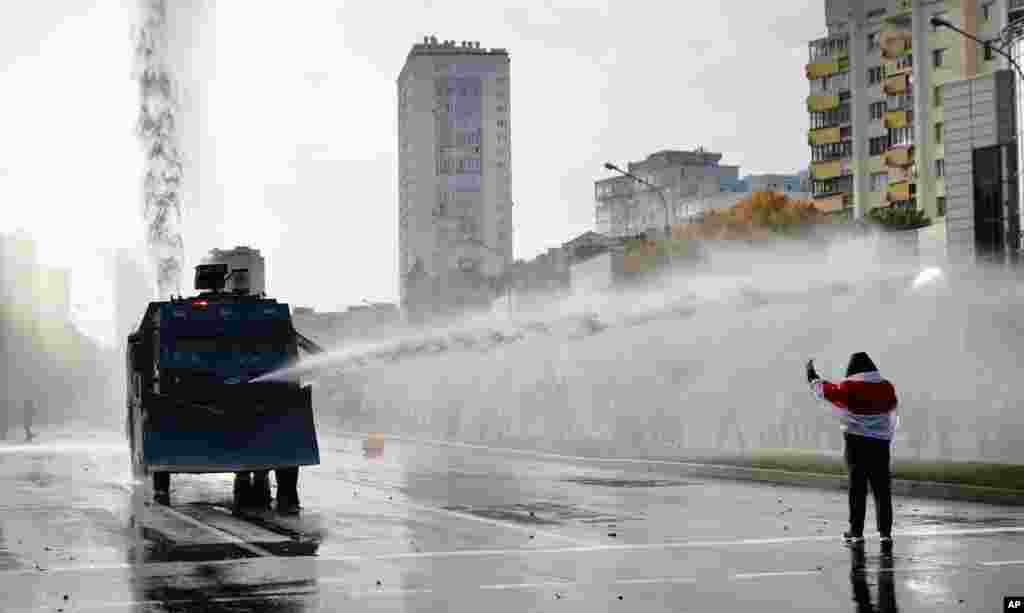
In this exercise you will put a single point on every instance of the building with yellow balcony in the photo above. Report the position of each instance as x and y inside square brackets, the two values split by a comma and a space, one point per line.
[876, 130]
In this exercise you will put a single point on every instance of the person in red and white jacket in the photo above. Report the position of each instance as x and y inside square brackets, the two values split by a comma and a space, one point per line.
[865, 404]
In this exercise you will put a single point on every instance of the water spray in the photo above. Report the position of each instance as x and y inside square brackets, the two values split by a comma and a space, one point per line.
[158, 131]
[927, 277]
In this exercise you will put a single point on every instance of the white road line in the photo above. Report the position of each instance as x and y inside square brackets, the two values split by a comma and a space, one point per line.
[475, 518]
[234, 540]
[1003, 563]
[521, 586]
[481, 553]
[780, 573]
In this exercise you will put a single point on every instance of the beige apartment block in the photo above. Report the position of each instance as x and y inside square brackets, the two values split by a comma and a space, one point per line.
[875, 99]
[454, 165]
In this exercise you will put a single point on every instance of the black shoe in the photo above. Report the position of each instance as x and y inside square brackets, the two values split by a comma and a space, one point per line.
[287, 506]
[852, 538]
[162, 498]
[288, 509]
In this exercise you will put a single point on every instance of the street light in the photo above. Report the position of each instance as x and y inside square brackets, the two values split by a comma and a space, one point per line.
[658, 190]
[939, 22]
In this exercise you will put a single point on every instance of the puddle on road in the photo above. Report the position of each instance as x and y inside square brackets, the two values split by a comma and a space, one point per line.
[537, 513]
[164, 547]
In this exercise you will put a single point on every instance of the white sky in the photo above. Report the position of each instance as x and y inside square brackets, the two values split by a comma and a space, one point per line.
[297, 121]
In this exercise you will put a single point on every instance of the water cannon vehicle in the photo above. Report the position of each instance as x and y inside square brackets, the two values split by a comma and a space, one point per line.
[192, 404]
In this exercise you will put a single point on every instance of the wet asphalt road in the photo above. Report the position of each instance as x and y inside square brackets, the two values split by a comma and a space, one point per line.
[419, 526]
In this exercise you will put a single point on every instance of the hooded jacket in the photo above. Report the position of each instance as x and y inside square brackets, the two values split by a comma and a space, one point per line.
[864, 402]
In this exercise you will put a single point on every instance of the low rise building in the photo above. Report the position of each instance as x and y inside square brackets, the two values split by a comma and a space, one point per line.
[356, 323]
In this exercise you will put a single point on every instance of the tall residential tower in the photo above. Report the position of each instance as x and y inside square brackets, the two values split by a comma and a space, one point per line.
[454, 192]
[876, 115]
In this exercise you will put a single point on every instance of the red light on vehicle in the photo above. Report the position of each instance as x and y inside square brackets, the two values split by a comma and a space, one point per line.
[200, 304]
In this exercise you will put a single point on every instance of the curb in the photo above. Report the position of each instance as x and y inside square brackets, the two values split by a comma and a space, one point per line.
[900, 487]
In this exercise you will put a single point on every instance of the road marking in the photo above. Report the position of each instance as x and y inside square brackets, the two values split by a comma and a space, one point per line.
[520, 586]
[780, 573]
[480, 553]
[231, 538]
[550, 584]
[471, 517]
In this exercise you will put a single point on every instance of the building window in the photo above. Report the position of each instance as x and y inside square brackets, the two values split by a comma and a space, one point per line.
[502, 123]
[872, 41]
[940, 204]
[877, 110]
[879, 180]
[938, 57]
[938, 96]
[940, 168]
[941, 15]
[501, 108]
[878, 145]
[901, 136]
[829, 119]
[874, 75]
[986, 12]
[938, 133]
[988, 52]
[831, 151]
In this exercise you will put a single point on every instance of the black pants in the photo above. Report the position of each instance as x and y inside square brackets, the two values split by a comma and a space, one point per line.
[162, 482]
[868, 462]
[287, 485]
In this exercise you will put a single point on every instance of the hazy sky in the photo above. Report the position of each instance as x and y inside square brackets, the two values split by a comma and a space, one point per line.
[298, 126]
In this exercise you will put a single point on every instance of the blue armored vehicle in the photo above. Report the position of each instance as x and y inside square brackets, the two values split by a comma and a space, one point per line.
[193, 406]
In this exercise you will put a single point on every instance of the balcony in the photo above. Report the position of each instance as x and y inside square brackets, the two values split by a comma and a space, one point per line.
[824, 136]
[900, 102]
[898, 119]
[900, 174]
[819, 70]
[832, 203]
[824, 49]
[822, 102]
[895, 43]
[900, 192]
[900, 156]
[827, 170]
[897, 85]
[901, 13]
[902, 65]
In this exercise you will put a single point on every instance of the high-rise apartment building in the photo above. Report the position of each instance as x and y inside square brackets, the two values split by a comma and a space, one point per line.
[875, 104]
[454, 172]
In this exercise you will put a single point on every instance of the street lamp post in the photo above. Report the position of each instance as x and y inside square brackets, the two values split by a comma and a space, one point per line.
[658, 190]
[939, 22]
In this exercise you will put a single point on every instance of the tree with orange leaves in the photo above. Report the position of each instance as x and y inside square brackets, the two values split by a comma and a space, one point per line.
[762, 216]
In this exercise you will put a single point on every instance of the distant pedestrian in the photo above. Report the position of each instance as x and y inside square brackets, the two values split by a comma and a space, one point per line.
[866, 405]
[30, 415]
